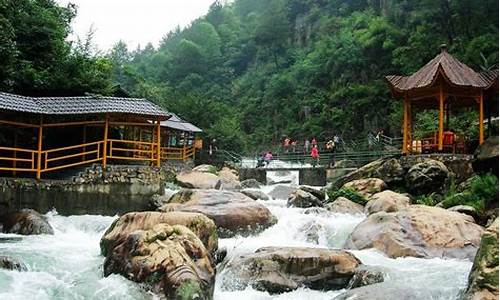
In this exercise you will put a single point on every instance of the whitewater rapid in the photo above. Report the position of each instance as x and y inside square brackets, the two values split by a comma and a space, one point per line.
[67, 265]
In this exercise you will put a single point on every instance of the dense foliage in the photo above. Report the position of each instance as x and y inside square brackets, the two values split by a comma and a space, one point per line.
[35, 57]
[252, 71]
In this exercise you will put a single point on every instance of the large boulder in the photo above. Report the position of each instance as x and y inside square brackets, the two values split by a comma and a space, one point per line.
[301, 198]
[467, 210]
[255, 194]
[171, 260]
[282, 192]
[318, 193]
[426, 177]
[26, 222]
[367, 186]
[197, 180]
[10, 263]
[250, 184]
[232, 212]
[343, 205]
[486, 156]
[198, 223]
[228, 184]
[483, 278]
[206, 169]
[283, 269]
[419, 231]
[229, 174]
[387, 201]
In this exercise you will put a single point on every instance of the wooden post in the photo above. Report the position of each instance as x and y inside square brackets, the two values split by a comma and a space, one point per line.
[84, 157]
[158, 144]
[105, 145]
[14, 163]
[405, 125]
[481, 119]
[410, 126]
[39, 152]
[441, 118]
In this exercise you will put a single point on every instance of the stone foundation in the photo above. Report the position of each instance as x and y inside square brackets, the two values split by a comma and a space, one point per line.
[120, 189]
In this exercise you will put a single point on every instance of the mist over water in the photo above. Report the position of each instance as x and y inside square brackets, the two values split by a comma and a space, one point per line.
[68, 264]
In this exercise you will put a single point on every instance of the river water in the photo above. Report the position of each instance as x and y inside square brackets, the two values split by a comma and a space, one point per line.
[67, 265]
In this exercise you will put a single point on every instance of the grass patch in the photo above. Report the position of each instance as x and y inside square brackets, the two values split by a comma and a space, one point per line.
[348, 193]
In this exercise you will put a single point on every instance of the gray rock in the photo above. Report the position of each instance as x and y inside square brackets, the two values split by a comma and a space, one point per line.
[10, 263]
[426, 177]
[380, 291]
[465, 209]
[27, 222]
[228, 184]
[486, 156]
[343, 205]
[366, 275]
[387, 201]
[250, 184]
[301, 198]
[255, 194]
[320, 194]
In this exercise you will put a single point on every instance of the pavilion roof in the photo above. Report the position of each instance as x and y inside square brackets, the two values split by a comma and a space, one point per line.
[80, 105]
[175, 122]
[454, 71]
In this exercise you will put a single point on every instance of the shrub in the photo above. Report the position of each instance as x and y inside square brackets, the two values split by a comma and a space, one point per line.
[348, 193]
[481, 194]
[429, 200]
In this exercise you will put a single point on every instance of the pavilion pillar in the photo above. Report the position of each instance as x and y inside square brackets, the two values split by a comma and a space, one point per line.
[405, 125]
[481, 119]
[158, 144]
[410, 125]
[441, 118]
[105, 145]
[39, 150]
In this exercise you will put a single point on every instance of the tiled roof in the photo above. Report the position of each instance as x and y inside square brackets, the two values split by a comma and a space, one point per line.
[456, 72]
[178, 124]
[80, 105]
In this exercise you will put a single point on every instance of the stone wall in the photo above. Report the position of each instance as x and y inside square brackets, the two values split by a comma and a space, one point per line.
[121, 188]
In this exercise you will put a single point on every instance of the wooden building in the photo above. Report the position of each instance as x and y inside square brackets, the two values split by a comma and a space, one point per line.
[445, 84]
[45, 134]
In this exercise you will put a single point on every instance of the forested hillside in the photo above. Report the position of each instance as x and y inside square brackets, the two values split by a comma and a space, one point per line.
[252, 71]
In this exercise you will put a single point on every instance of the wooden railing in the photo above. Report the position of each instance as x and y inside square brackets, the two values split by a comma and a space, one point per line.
[178, 153]
[66, 157]
[131, 150]
[22, 160]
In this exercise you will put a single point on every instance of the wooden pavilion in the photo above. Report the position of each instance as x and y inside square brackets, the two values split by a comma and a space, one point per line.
[44, 134]
[444, 83]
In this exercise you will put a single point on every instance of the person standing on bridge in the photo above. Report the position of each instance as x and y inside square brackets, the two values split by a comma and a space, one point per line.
[268, 157]
[307, 144]
[315, 155]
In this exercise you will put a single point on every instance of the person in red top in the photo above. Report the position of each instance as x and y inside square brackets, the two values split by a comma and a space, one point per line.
[314, 142]
[315, 155]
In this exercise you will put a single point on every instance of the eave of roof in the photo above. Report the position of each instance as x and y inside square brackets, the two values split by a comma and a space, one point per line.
[454, 72]
[81, 105]
[175, 122]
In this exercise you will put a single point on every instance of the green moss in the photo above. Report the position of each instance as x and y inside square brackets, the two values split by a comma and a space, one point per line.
[189, 290]
[348, 193]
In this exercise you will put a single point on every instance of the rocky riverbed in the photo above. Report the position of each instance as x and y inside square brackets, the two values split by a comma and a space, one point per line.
[281, 243]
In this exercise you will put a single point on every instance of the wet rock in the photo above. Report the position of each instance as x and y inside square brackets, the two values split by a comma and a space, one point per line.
[282, 192]
[387, 201]
[320, 211]
[283, 269]
[486, 156]
[418, 231]
[250, 184]
[380, 291]
[426, 177]
[255, 194]
[220, 255]
[483, 278]
[301, 198]
[467, 210]
[365, 275]
[26, 222]
[343, 205]
[171, 260]
[10, 263]
[320, 194]
[232, 212]
[228, 184]
[197, 180]
[366, 187]
[198, 223]
[205, 169]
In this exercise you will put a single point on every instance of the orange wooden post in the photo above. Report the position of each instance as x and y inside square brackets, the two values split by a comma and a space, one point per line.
[481, 119]
[39, 152]
[405, 125]
[14, 163]
[410, 126]
[105, 145]
[158, 144]
[441, 118]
